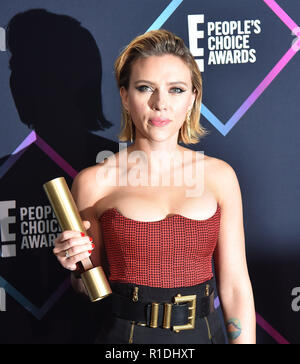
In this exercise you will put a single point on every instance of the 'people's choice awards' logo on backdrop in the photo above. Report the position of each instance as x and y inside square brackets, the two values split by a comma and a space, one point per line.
[38, 228]
[228, 42]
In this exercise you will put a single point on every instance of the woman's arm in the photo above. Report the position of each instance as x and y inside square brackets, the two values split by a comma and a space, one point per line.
[232, 275]
[86, 193]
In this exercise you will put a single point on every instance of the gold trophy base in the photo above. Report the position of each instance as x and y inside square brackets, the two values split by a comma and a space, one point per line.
[96, 283]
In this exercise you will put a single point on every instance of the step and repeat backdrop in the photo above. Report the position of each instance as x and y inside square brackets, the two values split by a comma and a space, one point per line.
[60, 107]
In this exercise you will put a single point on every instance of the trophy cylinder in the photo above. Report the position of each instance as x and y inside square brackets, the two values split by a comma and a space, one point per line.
[63, 205]
[96, 284]
[69, 218]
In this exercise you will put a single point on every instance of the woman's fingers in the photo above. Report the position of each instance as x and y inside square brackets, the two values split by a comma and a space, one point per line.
[70, 247]
[70, 262]
[78, 249]
[71, 242]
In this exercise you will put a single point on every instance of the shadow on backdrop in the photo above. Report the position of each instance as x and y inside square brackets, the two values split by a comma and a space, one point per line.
[56, 84]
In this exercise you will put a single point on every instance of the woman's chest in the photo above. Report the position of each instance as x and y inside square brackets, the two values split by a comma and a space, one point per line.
[157, 203]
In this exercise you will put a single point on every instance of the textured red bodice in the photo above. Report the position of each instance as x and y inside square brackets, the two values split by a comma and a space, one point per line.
[173, 252]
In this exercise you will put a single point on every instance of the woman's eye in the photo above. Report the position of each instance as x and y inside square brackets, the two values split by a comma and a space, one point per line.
[177, 90]
[144, 88]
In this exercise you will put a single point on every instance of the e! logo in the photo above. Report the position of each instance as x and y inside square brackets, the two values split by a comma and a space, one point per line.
[194, 36]
[2, 40]
[7, 250]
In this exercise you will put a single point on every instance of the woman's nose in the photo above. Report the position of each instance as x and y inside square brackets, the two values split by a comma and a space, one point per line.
[159, 101]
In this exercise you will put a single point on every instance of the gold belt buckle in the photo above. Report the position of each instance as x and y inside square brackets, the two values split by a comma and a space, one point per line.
[191, 299]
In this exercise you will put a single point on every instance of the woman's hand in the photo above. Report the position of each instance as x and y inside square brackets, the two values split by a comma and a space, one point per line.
[73, 246]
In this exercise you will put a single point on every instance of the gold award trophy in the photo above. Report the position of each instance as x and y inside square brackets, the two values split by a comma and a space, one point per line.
[68, 218]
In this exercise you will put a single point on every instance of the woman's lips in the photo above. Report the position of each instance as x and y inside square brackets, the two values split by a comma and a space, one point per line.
[159, 121]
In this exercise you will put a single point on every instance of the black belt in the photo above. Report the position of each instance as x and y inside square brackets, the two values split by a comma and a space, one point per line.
[177, 315]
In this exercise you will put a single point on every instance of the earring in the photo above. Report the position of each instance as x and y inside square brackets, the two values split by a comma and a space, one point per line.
[129, 122]
[131, 131]
[131, 134]
[188, 125]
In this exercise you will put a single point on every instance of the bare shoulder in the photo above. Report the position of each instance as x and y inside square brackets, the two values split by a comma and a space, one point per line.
[87, 187]
[218, 165]
[222, 177]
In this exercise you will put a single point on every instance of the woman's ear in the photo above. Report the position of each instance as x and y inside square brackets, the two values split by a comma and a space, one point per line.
[124, 97]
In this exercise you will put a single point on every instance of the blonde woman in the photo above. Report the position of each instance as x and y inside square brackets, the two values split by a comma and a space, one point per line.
[154, 232]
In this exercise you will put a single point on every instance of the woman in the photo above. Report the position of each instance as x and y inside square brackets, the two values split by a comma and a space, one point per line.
[153, 233]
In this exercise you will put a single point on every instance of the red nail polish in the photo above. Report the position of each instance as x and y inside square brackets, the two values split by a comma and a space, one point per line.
[90, 251]
[93, 246]
[82, 234]
[91, 239]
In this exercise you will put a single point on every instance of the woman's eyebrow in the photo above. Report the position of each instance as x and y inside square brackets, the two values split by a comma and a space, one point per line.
[177, 83]
[144, 81]
[169, 83]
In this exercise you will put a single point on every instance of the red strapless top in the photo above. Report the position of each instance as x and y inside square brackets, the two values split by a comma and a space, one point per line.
[173, 252]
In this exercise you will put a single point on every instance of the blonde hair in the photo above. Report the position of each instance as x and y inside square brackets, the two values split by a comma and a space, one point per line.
[157, 43]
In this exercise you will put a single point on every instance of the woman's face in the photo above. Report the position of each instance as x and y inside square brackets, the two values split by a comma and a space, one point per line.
[160, 90]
